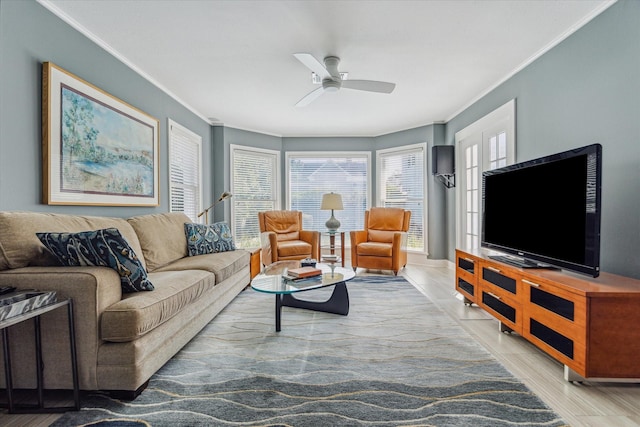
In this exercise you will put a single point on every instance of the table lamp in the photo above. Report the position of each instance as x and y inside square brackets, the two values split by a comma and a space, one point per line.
[332, 201]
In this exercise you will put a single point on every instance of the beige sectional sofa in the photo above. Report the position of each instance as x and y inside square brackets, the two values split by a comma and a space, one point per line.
[122, 338]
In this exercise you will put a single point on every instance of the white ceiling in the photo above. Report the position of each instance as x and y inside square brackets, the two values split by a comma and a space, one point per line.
[231, 62]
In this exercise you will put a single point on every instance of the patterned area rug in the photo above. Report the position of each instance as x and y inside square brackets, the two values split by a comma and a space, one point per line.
[395, 360]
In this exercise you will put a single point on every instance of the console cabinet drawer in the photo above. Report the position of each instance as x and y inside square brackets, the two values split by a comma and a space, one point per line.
[466, 277]
[504, 309]
[466, 264]
[561, 309]
[499, 278]
[466, 288]
[555, 320]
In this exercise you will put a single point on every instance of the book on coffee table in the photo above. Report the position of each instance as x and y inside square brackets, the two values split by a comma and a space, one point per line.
[302, 272]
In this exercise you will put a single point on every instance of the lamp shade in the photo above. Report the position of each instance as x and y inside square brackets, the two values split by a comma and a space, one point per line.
[331, 201]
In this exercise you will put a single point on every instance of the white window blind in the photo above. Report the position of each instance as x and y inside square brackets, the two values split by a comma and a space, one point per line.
[401, 175]
[255, 187]
[310, 175]
[185, 170]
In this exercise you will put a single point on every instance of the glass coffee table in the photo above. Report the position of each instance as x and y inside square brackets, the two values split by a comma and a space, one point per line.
[271, 281]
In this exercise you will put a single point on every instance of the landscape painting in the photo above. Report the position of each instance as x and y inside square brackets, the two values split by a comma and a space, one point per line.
[96, 148]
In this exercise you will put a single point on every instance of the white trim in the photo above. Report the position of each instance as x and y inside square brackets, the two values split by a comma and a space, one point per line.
[104, 45]
[83, 30]
[507, 110]
[584, 21]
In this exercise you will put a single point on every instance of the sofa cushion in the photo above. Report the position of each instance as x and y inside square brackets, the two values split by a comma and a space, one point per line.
[20, 247]
[208, 238]
[222, 264]
[99, 248]
[161, 237]
[137, 314]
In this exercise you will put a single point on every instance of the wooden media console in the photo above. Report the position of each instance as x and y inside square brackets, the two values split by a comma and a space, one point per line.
[591, 325]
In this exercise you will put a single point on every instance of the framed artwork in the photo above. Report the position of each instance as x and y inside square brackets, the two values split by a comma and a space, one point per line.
[96, 149]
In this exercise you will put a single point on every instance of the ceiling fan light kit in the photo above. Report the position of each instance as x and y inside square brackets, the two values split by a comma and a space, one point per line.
[333, 80]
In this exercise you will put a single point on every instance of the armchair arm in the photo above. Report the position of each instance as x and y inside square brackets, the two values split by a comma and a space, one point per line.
[399, 250]
[313, 238]
[269, 244]
[357, 237]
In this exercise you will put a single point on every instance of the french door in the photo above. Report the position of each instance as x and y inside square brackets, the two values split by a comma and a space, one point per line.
[486, 144]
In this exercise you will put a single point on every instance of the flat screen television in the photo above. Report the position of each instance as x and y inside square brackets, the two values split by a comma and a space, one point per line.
[545, 213]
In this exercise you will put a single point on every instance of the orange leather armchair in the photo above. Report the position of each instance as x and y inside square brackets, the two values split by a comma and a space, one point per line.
[382, 245]
[283, 238]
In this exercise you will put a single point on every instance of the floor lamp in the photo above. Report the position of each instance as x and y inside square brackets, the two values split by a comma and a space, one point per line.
[223, 196]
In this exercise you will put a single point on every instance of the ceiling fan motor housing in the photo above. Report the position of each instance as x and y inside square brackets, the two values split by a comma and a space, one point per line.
[330, 85]
[331, 64]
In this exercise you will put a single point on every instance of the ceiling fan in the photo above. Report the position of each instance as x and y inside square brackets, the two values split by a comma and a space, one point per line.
[332, 81]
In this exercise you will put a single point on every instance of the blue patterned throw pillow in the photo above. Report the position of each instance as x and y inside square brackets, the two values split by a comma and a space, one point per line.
[103, 248]
[208, 238]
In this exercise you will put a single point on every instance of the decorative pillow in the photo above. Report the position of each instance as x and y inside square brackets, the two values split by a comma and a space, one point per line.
[207, 239]
[103, 248]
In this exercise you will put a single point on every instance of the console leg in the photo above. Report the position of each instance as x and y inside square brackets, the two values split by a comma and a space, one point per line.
[571, 375]
[467, 301]
[504, 328]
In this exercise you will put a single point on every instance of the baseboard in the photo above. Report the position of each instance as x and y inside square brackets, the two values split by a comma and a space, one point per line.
[422, 260]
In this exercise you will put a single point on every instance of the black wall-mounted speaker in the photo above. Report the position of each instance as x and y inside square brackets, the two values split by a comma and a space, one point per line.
[442, 160]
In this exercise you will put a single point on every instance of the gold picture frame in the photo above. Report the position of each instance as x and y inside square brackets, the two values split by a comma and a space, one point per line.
[96, 148]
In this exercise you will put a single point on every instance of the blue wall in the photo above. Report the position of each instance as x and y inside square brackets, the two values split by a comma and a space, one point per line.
[585, 90]
[30, 35]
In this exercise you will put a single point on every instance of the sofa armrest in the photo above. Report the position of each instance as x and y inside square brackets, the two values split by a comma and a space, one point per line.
[92, 289]
[313, 238]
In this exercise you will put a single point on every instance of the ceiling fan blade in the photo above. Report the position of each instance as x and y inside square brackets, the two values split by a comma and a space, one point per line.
[369, 85]
[313, 64]
[311, 96]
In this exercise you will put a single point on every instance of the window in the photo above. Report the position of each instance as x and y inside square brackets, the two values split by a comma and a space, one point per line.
[255, 185]
[472, 192]
[498, 150]
[312, 174]
[185, 170]
[401, 175]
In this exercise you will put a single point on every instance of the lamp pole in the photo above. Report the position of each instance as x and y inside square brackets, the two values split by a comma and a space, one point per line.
[223, 196]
